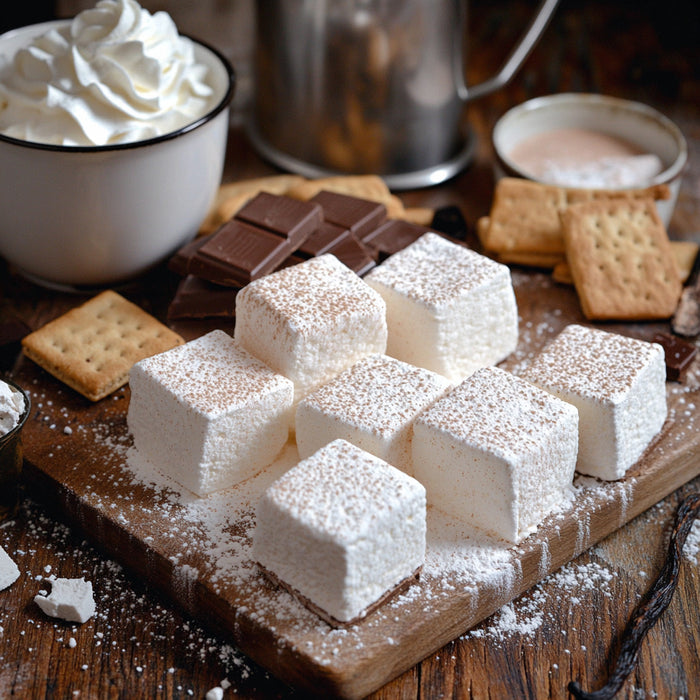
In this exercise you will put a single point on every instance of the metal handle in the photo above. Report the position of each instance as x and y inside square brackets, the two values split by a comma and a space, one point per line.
[514, 61]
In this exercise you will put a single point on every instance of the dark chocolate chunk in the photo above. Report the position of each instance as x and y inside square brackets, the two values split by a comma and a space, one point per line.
[450, 220]
[287, 217]
[353, 254]
[238, 254]
[179, 263]
[391, 237]
[679, 355]
[358, 215]
[197, 298]
[323, 239]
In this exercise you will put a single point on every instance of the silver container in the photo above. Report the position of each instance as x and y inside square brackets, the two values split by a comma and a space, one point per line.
[369, 86]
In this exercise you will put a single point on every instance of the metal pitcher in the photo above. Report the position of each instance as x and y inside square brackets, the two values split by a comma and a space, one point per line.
[369, 86]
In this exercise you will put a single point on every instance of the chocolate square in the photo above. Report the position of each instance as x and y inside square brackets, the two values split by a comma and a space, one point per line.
[359, 215]
[679, 355]
[238, 254]
[287, 217]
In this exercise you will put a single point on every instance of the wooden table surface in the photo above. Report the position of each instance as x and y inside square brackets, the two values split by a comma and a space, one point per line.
[568, 627]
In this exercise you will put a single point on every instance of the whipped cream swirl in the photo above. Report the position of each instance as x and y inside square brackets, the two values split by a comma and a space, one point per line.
[115, 74]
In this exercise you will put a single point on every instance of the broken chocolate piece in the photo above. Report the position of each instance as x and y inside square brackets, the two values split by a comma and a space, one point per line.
[197, 298]
[679, 355]
[323, 239]
[180, 261]
[391, 237]
[358, 215]
[353, 254]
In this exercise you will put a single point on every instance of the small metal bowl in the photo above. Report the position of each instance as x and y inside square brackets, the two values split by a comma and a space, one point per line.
[11, 458]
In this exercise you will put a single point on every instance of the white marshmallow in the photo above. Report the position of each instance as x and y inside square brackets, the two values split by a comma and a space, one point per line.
[207, 413]
[9, 572]
[618, 385]
[449, 309]
[70, 599]
[342, 528]
[372, 405]
[310, 321]
[497, 452]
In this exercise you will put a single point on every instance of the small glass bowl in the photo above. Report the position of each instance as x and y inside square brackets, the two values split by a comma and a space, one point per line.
[11, 459]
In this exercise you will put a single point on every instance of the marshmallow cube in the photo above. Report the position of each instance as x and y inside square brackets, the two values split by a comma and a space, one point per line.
[449, 309]
[342, 529]
[618, 385]
[372, 405]
[497, 452]
[207, 413]
[310, 321]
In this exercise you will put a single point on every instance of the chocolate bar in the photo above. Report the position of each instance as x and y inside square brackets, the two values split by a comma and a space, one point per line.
[197, 298]
[256, 241]
[391, 237]
[679, 355]
[360, 216]
[323, 239]
[290, 218]
[353, 254]
[238, 254]
[180, 261]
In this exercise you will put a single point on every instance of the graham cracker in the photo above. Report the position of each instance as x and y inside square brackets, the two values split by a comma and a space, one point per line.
[92, 347]
[621, 260]
[684, 253]
[525, 215]
[421, 216]
[562, 273]
[543, 260]
[370, 187]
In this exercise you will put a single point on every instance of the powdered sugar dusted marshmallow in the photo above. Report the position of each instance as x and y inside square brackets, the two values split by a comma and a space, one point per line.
[208, 413]
[449, 309]
[311, 321]
[498, 452]
[618, 385]
[341, 529]
[372, 405]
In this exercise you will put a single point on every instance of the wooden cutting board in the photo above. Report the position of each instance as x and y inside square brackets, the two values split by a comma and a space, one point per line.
[79, 456]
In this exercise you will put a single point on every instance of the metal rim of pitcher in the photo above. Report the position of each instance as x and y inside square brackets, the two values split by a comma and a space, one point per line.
[426, 177]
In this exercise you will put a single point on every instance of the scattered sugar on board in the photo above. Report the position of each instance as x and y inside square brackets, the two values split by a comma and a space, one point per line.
[149, 621]
[211, 537]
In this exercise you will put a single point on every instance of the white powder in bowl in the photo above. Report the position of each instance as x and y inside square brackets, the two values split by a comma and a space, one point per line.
[11, 407]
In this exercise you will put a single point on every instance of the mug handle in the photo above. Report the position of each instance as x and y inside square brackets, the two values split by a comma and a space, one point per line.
[514, 61]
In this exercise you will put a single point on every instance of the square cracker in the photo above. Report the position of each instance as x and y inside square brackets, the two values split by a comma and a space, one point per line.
[525, 215]
[621, 260]
[92, 347]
